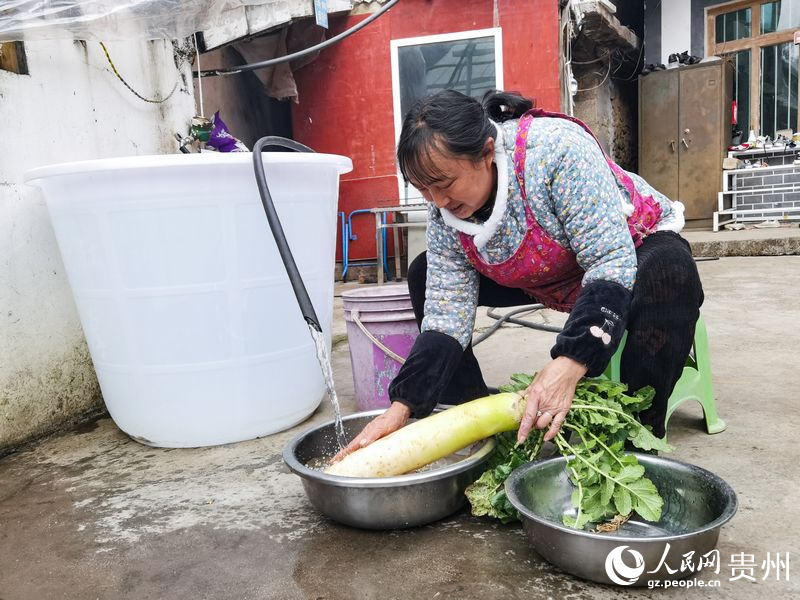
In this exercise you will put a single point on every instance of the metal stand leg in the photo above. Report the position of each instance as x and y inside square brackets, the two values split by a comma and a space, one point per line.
[398, 217]
[379, 247]
[345, 245]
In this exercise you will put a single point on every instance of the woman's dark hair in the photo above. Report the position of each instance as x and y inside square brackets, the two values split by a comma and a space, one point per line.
[452, 122]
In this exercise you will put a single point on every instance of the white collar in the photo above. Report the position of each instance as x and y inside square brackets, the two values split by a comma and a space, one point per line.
[482, 232]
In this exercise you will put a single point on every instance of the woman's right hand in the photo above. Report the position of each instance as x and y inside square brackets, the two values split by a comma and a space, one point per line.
[390, 421]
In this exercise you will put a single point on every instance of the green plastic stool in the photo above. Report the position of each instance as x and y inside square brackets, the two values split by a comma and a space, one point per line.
[694, 384]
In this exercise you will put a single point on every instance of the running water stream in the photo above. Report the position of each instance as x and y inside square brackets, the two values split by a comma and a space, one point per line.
[327, 372]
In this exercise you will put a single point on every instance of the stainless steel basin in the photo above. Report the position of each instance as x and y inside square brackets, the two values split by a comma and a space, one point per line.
[696, 505]
[385, 502]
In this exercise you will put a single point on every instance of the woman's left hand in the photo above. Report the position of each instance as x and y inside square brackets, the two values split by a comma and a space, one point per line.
[550, 397]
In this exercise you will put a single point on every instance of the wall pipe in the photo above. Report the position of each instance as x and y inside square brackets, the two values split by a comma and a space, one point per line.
[299, 54]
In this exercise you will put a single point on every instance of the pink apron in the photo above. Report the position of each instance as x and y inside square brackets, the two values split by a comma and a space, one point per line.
[541, 266]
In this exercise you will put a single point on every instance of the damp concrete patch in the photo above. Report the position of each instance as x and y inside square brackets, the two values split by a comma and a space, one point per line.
[124, 491]
[37, 401]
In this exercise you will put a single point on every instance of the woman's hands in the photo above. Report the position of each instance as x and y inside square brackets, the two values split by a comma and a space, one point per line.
[390, 421]
[550, 397]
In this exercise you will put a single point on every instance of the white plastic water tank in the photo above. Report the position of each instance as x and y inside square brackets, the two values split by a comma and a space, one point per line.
[191, 322]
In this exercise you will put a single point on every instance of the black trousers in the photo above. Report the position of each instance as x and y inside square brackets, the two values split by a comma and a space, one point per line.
[666, 303]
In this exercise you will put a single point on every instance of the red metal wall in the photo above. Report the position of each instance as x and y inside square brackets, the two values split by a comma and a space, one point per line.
[346, 93]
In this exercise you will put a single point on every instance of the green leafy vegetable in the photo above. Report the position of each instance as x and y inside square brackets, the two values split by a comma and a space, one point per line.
[487, 495]
[609, 484]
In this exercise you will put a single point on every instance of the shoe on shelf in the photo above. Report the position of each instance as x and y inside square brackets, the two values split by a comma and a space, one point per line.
[673, 61]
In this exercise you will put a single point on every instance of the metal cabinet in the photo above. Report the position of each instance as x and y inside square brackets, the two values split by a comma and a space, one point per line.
[684, 132]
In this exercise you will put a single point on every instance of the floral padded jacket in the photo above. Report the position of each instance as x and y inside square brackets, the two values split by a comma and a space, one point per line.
[574, 197]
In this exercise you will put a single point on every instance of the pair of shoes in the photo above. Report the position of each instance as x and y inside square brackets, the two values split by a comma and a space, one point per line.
[739, 148]
[688, 59]
[785, 141]
[683, 58]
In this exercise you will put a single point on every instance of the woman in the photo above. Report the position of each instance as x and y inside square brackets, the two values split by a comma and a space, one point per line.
[525, 207]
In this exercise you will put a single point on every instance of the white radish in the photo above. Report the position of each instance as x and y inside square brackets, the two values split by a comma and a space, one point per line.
[427, 440]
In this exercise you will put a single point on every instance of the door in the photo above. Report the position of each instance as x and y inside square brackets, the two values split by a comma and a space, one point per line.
[700, 143]
[658, 126]
[470, 62]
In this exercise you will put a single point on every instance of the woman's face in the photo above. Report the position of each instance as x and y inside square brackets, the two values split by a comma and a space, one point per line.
[466, 184]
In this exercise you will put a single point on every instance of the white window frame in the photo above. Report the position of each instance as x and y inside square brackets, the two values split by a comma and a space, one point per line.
[414, 197]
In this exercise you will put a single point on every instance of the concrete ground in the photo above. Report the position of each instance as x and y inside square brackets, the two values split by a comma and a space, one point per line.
[93, 514]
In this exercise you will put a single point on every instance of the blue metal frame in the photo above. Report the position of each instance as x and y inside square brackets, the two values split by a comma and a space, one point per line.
[348, 236]
[341, 215]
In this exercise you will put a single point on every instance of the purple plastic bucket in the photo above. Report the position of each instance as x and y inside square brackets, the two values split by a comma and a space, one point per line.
[385, 312]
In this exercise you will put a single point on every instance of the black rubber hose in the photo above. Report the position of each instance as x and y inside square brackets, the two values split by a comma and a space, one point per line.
[299, 54]
[300, 292]
[507, 318]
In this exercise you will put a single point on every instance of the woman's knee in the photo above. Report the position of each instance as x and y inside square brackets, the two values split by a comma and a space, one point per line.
[667, 272]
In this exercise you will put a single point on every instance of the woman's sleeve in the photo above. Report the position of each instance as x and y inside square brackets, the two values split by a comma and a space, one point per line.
[451, 293]
[451, 297]
[587, 203]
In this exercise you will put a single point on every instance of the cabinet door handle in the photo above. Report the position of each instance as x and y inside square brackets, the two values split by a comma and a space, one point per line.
[672, 145]
[685, 143]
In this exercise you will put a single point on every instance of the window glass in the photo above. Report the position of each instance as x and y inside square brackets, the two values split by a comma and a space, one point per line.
[741, 89]
[467, 66]
[780, 15]
[778, 88]
[733, 25]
